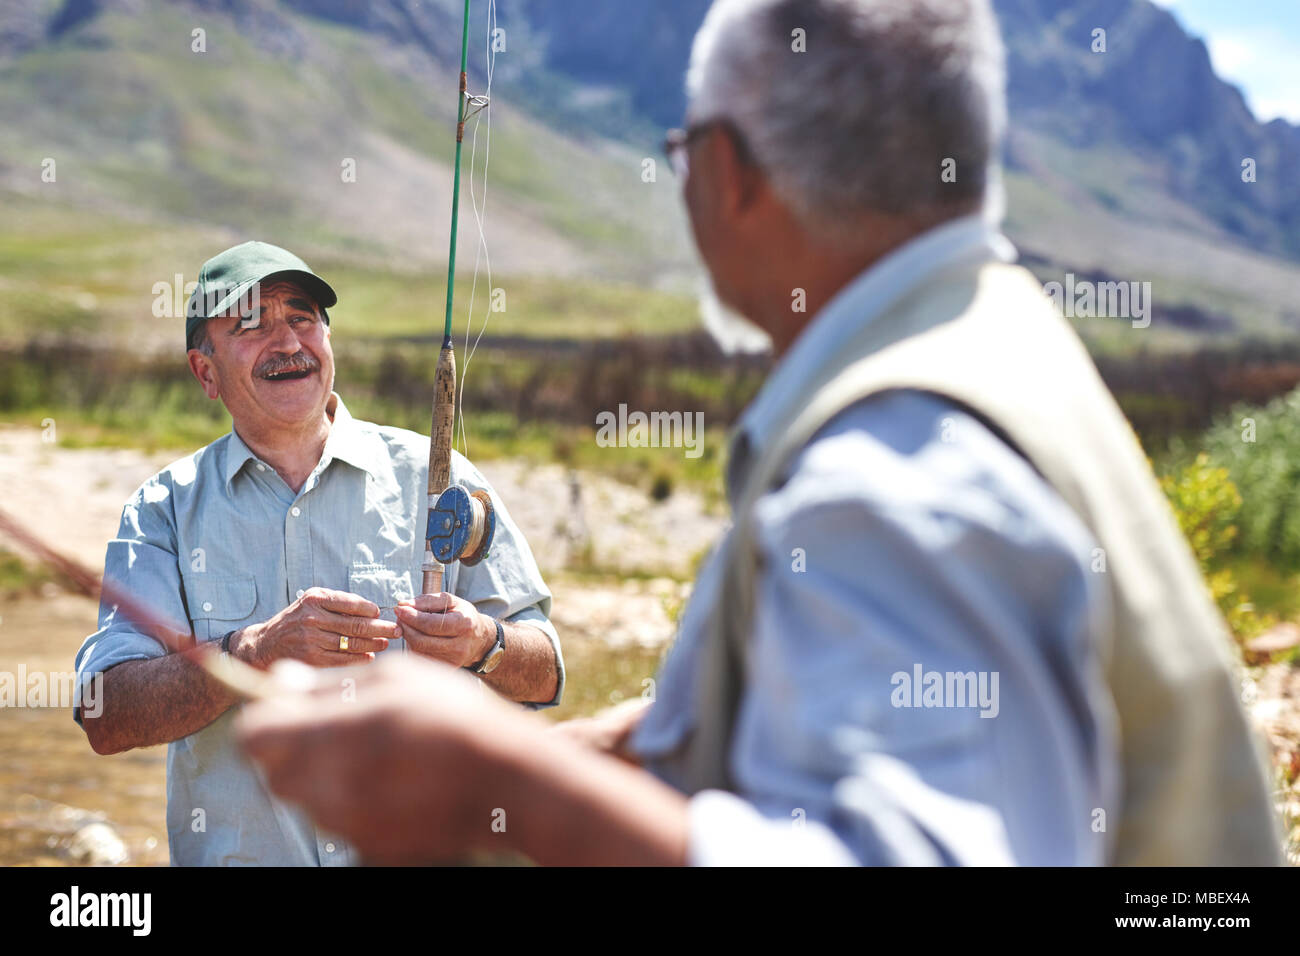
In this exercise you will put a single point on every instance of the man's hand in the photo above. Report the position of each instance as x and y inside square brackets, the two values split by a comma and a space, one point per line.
[400, 771]
[421, 766]
[309, 630]
[446, 628]
[608, 731]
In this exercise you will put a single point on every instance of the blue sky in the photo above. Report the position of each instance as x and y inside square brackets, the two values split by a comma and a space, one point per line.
[1254, 44]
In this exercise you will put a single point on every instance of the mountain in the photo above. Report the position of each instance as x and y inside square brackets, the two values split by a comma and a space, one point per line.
[172, 129]
[1125, 163]
[1153, 93]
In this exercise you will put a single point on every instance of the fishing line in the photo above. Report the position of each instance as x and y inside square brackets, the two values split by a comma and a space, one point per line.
[479, 205]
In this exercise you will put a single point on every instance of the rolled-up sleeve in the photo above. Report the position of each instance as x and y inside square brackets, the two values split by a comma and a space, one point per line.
[534, 615]
[141, 560]
[898, 575]
[508, 583]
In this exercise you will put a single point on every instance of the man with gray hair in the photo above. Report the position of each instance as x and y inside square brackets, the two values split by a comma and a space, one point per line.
[953, 622]
[293, 537]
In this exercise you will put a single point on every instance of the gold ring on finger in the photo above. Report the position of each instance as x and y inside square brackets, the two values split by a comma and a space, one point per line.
[343, 642]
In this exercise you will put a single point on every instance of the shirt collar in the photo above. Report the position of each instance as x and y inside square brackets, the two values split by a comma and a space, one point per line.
[859, 302]
[347, 442]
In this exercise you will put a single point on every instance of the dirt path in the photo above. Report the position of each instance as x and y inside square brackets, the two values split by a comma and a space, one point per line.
[1272, 698]
[74, 497]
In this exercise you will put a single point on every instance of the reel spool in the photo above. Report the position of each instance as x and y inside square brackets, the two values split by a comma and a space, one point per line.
[461, 526]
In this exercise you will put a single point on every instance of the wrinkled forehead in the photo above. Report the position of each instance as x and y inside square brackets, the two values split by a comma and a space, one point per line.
[284, 291]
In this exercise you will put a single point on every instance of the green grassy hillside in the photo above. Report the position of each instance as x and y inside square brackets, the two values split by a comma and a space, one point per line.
[163, 156]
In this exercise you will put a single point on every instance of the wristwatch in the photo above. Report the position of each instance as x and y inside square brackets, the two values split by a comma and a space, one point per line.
[493, 657]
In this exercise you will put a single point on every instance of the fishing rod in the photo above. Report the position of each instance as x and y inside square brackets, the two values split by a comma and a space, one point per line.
[460, 525]
[235, 675]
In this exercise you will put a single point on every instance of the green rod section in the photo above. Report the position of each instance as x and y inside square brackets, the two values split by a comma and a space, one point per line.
[455, 190]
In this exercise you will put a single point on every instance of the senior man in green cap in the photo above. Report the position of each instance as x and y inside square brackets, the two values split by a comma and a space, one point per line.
[293, 537]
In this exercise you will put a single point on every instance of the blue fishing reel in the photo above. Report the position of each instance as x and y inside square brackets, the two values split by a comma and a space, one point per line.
[461, 526]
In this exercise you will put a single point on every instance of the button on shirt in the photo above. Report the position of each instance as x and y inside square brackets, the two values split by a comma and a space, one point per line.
[219, 539]
[908, 540]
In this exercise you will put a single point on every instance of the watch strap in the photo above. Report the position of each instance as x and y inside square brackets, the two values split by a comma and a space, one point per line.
[498, 644]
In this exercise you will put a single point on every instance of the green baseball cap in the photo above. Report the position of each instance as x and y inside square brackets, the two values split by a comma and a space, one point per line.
[235, 274]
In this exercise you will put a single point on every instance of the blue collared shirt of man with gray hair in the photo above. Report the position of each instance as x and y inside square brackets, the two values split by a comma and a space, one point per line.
[925, 683]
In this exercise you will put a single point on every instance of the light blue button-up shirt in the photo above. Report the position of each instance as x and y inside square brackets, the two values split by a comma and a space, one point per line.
[909, 540]
[219, 539]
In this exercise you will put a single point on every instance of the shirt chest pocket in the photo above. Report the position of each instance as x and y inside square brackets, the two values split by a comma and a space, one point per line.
[219, 603]
[384, 586]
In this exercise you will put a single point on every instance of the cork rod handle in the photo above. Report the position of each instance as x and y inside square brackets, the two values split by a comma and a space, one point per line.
[440, 436]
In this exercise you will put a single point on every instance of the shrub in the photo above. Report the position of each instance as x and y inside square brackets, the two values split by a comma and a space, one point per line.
[1260, 449]
[661, 487]
[1206, 504]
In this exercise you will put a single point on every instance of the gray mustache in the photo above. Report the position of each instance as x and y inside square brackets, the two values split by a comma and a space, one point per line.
[302, 362]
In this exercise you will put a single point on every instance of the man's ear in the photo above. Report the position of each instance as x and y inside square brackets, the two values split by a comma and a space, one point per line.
[739, 184]
[204, 370]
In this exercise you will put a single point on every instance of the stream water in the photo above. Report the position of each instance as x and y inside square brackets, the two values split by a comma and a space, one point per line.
[61, 803]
